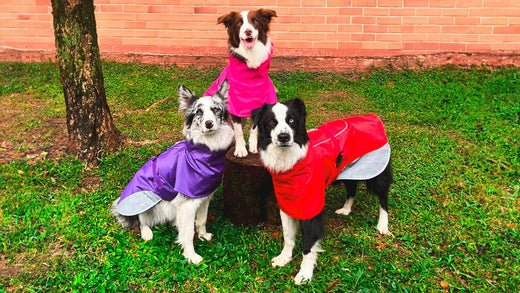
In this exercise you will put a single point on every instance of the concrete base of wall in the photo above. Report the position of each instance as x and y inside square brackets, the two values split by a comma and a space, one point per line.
[296, 63]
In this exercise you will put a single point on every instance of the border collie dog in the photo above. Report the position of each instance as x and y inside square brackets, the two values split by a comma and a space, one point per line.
[177, 185]
[250, 51]
[303, 163]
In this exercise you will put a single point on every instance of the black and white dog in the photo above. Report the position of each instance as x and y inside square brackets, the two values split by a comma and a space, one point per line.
[177, 185]
[303, 164]
[250, 52]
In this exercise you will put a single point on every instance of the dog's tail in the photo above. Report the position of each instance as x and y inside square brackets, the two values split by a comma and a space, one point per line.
[125, 221]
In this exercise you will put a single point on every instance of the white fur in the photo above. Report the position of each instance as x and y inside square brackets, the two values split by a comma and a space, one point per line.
[347, 207]
[240, 143]
[253, 140]
[290, 228]
[282, 159]
[307, 266]
[382, 223]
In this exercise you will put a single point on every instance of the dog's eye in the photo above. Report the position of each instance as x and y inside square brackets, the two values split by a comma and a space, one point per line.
[217, 111]
[291, 121]
[272, 122]
[199, 112]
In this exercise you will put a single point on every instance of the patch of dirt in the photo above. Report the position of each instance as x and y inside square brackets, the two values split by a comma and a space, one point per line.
[25, 133]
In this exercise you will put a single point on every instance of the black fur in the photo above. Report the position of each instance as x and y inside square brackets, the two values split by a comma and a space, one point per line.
[312, 231]
[379, 185]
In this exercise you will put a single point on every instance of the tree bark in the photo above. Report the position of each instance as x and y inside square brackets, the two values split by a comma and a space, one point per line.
[248, 192]
[90, 127]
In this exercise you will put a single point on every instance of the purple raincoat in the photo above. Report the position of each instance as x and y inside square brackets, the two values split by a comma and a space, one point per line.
[187, 168]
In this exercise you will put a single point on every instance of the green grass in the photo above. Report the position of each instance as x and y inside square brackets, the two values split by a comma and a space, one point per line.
[454, 207]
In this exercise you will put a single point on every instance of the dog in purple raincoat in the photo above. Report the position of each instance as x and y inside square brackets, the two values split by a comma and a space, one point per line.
[177, 185]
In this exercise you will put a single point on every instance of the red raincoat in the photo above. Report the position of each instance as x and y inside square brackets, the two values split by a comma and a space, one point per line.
[300, 192]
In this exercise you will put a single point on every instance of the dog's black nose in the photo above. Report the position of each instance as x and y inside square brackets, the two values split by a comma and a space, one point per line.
[284, 137]
[209, 124]
[248, 32]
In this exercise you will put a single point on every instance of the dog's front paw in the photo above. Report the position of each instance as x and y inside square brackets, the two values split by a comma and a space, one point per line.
[240, 151]
[383, 229]
[303, 277]
[253, 148]
[146, 233]
[281, 260]
[193, 258]
[206, 236]
[343, 211]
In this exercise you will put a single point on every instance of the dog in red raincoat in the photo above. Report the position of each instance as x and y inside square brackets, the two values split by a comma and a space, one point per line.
[303, 163]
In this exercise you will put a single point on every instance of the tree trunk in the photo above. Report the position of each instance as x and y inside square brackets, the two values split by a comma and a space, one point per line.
[90, 127]
[248, 192]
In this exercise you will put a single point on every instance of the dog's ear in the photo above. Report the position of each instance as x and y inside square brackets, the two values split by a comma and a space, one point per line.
[228, 19]
[298, 105]
[267, 14]
[223, 90]
[257, 114]
[186, 98]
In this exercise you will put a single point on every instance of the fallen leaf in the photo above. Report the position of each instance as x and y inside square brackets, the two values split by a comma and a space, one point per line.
[445, 284]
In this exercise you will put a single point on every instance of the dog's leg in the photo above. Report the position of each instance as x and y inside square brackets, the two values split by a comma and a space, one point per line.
[186, 210]
[307, 266]
[253, 140]
[200, 219]
[351, 187]
[145, 221]
[290, 227]
[240, 143]
[146, 233]
[380, 185]
[312, 232]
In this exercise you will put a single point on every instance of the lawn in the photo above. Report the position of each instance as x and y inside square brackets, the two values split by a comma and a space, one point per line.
[454, 207]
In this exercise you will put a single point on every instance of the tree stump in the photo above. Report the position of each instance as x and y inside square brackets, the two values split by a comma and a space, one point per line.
[248, 191]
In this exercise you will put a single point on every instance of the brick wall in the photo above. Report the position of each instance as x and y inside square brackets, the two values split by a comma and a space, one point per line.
[344, 33]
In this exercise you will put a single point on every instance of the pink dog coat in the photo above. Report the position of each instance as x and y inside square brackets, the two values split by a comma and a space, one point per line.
[300, 192]
[248, 88]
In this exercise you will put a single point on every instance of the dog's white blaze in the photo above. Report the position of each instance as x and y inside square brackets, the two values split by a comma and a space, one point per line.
[280, 112]
[247, 26]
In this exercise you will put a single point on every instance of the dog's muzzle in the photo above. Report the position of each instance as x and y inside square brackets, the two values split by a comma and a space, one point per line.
[284, 139]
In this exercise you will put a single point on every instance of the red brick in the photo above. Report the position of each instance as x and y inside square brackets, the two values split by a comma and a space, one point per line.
[363, 37]
[392, 20]
[338, 19]
[402, 12]
[388, 38]
[467, 21]
[350, 28]
[363, 20]
[375, 28]
[507, 30]
[351, 11]
[389, 3]
[205, 10]
[314, 3]
[376, 11]
[494, 20]
[416, 3]
[364, 3]
[339, 3]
